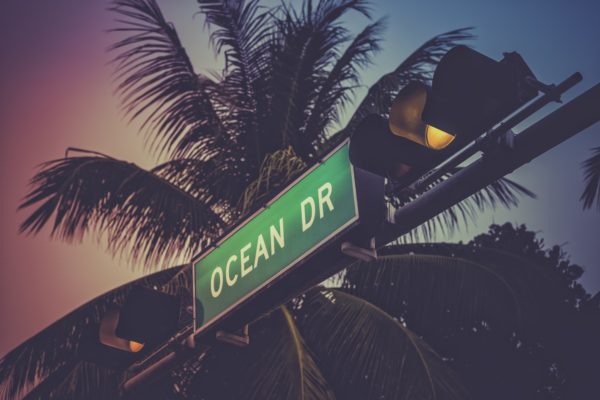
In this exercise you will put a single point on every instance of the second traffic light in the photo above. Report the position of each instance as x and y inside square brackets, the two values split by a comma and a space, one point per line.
[470, 93]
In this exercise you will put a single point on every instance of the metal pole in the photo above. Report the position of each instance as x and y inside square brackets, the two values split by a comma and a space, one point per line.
[550, 131]
[480, 143]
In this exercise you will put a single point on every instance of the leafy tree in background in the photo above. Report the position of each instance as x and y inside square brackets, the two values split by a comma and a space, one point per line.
[564, 342]
[547, 349]
[506, 317]
[231, 141]
[503, 312]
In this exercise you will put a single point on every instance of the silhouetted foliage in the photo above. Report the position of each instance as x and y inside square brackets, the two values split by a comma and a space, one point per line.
[500, 317]
[565, 344]
[520, 240]
[540, 342]
[289, 73]
[51, 356]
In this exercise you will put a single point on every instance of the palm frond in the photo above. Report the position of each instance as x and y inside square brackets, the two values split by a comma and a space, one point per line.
[157, 81]
[329, 11]
[277, 355]
[45, 388]
[83, 381]
[503, 192]
[142, 214]
[441, 288]
[181, 281]
[339, 85]
[591, 168]
[216, 181]
[54, 352]
[365, 353]
[306, 49]
[292, 370]
[239, 28]
[277, 170]
[242, 32]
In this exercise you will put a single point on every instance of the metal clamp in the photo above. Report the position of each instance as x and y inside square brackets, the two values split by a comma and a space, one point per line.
[235, 339]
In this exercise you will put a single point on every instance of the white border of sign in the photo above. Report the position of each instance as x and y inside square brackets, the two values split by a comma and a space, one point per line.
[287, 268]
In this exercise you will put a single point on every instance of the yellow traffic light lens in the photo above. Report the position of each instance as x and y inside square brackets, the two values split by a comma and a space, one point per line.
[436, 138]
[134, 347]
[406, 118]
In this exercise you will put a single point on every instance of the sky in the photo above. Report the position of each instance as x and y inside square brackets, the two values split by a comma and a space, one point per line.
[56, 92]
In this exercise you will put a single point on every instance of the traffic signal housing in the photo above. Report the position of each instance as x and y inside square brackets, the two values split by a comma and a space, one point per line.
[470, 93]
[147, 317]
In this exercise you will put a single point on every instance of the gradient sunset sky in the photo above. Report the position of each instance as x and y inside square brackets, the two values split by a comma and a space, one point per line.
[56, 92]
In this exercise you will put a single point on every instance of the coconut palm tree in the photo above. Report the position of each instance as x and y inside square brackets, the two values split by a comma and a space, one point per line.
[230, 141]
[288, 75]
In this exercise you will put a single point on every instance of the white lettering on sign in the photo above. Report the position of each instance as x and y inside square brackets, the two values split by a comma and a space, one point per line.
[244, 258]
[277, 240]
[277, 236]
[323, 198]
[230, 281]
[261, 250]
[237, 268]
[214, 291]
[307, 224]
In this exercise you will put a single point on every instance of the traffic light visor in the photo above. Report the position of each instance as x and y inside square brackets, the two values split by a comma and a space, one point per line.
[406, 118]
[108, 336]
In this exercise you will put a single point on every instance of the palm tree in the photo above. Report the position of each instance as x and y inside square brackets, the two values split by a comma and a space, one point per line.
[231, 141]
[288, 75]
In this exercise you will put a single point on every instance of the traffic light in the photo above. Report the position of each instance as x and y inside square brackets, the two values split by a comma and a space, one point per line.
[147, 317]
[470, 93]
[108, 336]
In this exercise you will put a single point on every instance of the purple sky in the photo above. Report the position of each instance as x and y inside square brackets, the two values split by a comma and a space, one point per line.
[56, 92]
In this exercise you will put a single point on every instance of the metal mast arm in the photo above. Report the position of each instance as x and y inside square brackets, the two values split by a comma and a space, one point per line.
[563, 123]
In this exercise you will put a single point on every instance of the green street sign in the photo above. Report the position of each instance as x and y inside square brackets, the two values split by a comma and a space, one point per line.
[316, 207]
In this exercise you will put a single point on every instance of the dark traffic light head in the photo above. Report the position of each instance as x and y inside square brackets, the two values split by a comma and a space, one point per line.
[470, 93]
[376, 149]
[147, 317]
